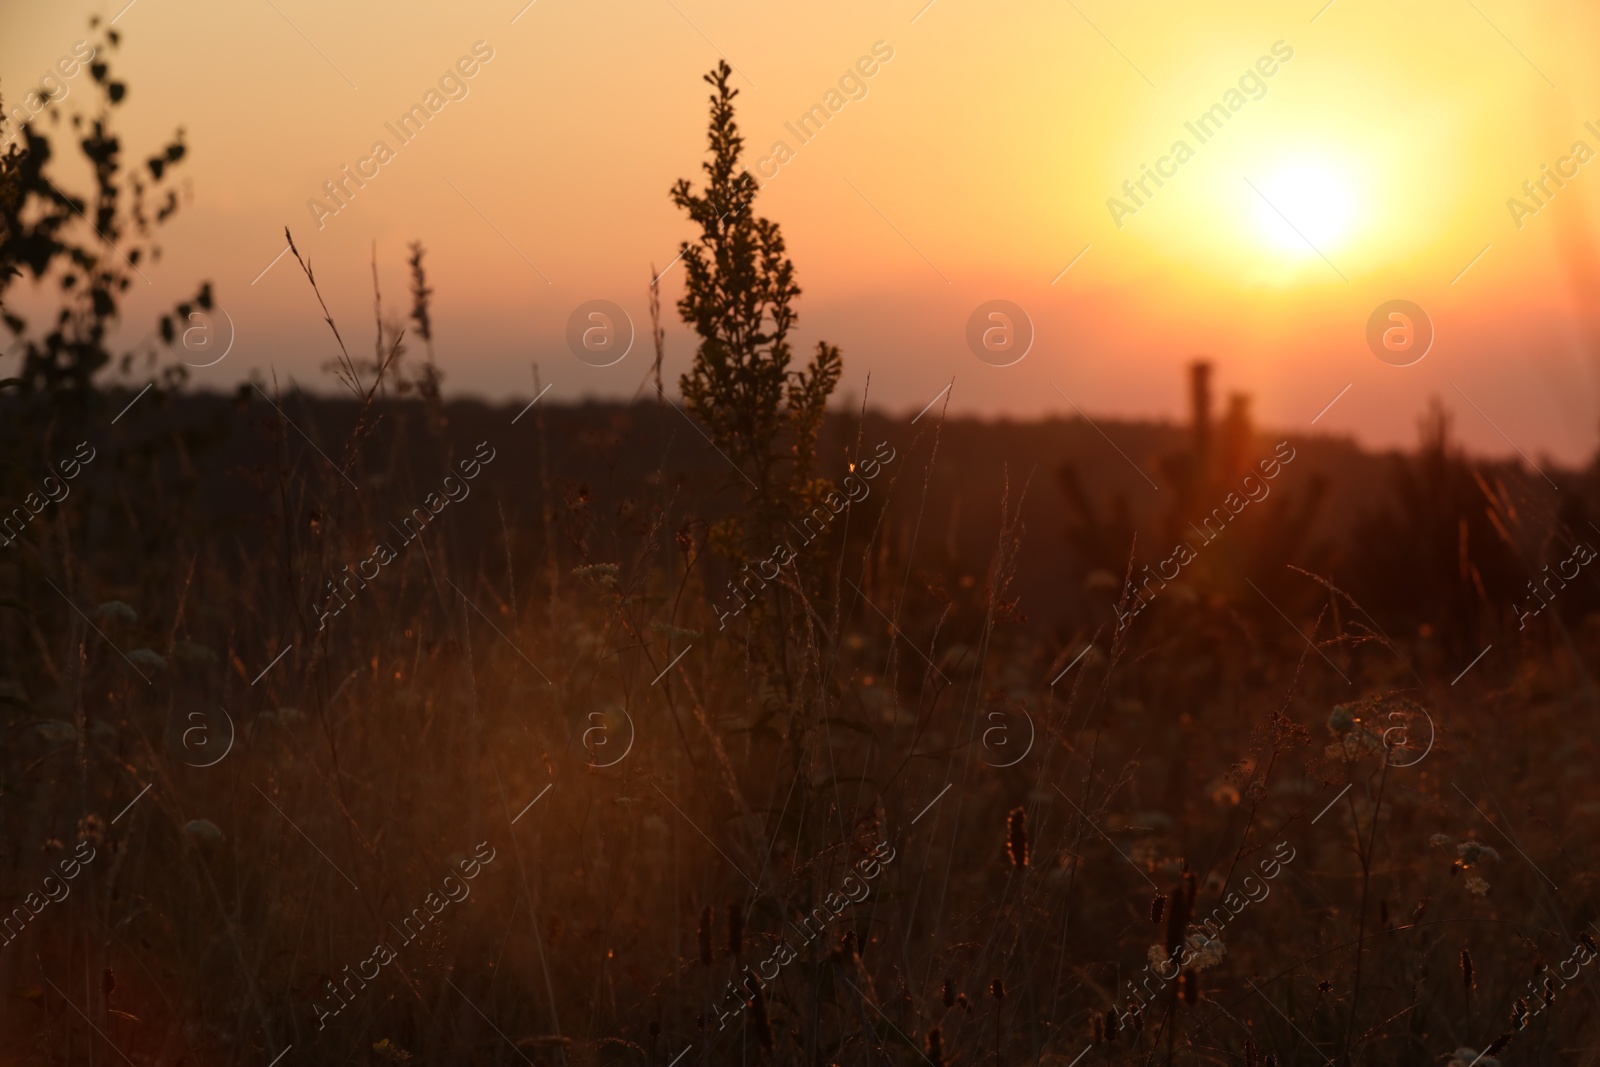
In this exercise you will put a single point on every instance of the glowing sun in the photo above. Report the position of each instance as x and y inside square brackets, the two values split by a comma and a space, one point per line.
[1304, 206]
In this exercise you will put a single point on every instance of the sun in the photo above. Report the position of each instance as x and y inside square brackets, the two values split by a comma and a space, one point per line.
[1305, 206]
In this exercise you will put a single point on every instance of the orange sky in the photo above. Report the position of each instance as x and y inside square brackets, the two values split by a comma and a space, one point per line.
[977, 165]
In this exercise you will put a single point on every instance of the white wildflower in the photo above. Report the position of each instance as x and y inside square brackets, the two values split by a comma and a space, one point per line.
[143, 657]
[1342, 721]
[55, 731]
[1207, 951]
[116, 611]
[598, 575]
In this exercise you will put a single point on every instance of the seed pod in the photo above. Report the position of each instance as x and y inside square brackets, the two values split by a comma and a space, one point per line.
[1112, 1025]
[1017, 837]
[1099, 1030]
[936, 1047]
[997, 989]
[949, 993]
[1466, 972]
[1158, 904]
[1189, 987]
[1249, 1052]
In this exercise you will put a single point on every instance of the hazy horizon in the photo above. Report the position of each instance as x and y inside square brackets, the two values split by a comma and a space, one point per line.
[977, 163]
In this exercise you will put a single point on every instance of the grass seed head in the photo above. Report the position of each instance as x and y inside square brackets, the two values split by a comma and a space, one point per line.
[1017, 837]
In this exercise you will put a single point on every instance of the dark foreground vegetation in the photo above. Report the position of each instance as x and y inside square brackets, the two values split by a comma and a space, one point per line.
[384, 729]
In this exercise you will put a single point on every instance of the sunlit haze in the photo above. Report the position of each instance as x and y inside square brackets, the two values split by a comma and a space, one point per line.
[1333, 158]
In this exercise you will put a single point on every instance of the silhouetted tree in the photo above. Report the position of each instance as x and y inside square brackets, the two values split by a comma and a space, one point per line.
[739, 297]
[92, 246]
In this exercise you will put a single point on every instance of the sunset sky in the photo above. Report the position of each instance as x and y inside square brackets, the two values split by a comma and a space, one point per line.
[977, 165]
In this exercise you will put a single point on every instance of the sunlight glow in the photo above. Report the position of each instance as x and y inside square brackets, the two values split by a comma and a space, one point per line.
[1308, 196]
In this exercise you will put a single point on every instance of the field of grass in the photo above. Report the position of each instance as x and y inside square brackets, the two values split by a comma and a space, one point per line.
[518, 797]
[735, 725]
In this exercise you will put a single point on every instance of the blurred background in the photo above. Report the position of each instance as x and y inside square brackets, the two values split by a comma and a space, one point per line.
[978, 166]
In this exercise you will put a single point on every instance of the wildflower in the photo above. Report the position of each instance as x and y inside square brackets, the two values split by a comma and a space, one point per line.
[116, 611]
[1342, 721]
[1470, 852]
[203, 831]
[598, 575]
[1477, 886]
[1207, 951]
[1353, 745]
[389, 1051]
[55, 731]
[1441, 840]
[1466, 1057]
[143, 657]
[673, 632]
